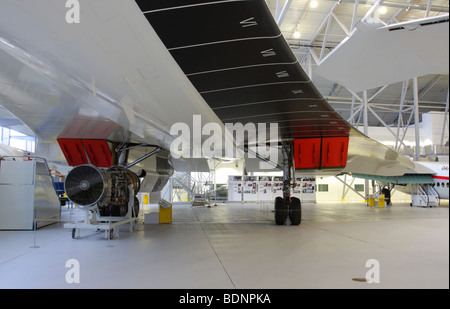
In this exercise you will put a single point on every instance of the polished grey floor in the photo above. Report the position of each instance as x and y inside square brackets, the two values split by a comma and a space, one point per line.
[239, 246]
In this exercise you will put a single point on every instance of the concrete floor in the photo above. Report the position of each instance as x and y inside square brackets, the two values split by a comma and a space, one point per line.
[239, 246]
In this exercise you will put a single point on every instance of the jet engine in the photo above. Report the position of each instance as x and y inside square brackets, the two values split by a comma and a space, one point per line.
[87, 185]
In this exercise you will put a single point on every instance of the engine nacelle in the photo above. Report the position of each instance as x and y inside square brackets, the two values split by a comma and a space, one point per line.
[87, 185]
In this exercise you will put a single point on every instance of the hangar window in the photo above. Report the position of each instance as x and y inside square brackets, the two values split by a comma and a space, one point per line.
[359, 188]
[4, 136]
[323, 188]
[16, 139]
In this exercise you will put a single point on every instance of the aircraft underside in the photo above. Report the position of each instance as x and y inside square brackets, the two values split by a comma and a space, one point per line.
[139, 76]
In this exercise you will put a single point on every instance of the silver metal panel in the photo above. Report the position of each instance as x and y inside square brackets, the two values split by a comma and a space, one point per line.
[26, 191]
[16, 195]
[46, 203]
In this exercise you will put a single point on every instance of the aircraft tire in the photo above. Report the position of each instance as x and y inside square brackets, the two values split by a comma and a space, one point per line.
[295, 211]
[280, 211]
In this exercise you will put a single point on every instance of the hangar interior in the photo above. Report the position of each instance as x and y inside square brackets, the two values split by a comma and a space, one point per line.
[221, 233]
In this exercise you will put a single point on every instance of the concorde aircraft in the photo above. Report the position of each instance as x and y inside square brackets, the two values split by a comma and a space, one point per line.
[106, 80]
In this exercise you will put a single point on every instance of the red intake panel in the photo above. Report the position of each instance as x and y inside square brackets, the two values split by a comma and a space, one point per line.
[317, 153]
[78, 151]
[307, 153]
[73, 151]
[98, 152]
[334, 151]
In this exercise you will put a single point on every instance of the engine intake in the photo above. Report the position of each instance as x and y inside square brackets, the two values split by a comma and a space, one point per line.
[87, 185]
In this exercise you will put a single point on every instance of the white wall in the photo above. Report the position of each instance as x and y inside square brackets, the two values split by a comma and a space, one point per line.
[223, 170]
[431, 128]
[335, 190]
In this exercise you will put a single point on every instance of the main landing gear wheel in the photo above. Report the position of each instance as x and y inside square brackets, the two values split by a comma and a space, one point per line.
[287, 206]
[280, 211]
[295, 211]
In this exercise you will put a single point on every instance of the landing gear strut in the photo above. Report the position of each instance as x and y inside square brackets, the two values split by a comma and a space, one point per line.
[287, 206]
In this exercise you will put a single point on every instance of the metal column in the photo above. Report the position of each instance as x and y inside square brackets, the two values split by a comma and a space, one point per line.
[444, 125]
[366, 130]
[416, 118]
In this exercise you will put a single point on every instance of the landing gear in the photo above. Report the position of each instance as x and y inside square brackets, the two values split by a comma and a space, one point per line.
[283, 209]
[287, 206]
[280, 211]
[295, 211]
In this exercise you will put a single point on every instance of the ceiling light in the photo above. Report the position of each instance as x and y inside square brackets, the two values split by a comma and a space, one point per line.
[382, 10]
[314, 4]
[297, 35]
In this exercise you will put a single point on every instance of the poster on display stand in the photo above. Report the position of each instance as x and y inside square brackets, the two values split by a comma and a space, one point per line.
[250, 189]
[308, 189]
[235, 188]
[265, 188]
[296, 191]
[277, 186]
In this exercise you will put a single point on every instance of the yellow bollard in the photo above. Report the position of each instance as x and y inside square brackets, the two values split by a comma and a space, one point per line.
[381, 202]
[165, 212]
[145, 198]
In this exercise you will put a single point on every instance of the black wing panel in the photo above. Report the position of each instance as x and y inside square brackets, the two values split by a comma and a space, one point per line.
[270, 107]
[258, 93]
[192, 25]
[234, 54]
[258, 75]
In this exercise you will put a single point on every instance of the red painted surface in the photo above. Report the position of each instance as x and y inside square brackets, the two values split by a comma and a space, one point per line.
[317, 153]
[73, 151]
[98, 152]
[307, 153]
[334, 151]
[78, 152]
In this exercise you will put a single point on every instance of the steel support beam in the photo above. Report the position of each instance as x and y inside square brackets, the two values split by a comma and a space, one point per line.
[324, 43]
[444, 125]
[309, 59]
[366, 130]
[416, 118]
[346, 184]
[355, 13]
[282, 15]
[319, 30]
[347, 32]
[372, 10]
[427, 12]
[400, 112]
[365, 112]
[407, 6]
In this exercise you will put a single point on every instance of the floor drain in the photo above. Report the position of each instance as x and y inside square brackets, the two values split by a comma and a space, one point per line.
[359, 279]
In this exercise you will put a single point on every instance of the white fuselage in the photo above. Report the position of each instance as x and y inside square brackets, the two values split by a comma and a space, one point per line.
[440, 177]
